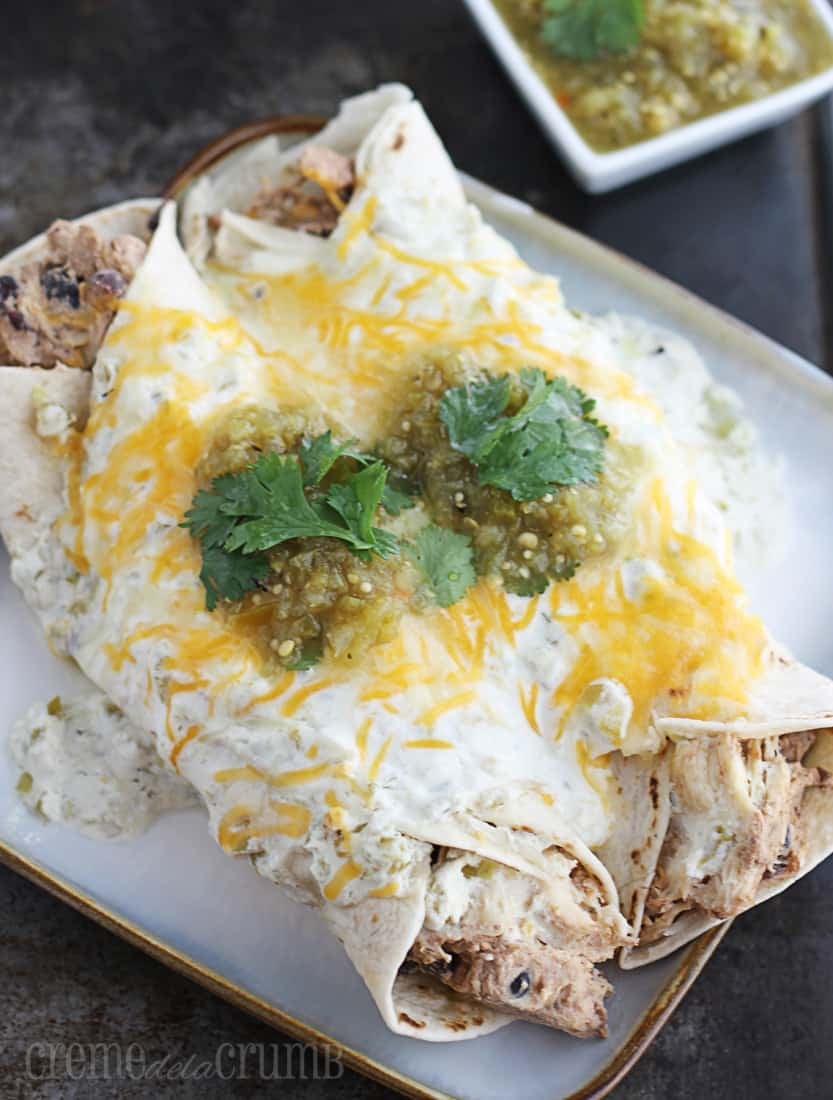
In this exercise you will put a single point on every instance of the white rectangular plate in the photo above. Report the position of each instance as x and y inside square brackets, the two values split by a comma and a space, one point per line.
[173, 892]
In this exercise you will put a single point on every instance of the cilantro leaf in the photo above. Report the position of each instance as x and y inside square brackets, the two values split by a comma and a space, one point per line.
[269, 498]
[585, 29]
[318, 456]
[446, 560]
[356, 501]
[206, 519]
[465, 409]
[551, 441]
[245, 514]
[395, 500]
[229, 575]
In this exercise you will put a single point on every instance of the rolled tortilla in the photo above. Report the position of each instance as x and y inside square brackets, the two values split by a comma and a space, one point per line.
[378, 935]
[377, 932]
[418, 193]
[234, 184]
[31, 493]
[787, 698]
[32, 474]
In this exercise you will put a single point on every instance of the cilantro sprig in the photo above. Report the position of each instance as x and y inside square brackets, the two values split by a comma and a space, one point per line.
[552, 440]
[446, 560]
[319, 455]
[585, 29]
[278, 498]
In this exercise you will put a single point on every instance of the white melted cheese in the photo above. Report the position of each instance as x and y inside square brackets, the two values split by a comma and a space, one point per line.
[84, 764]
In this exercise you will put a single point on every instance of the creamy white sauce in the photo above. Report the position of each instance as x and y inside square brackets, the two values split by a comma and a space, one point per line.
[745, 482]
[82, 763]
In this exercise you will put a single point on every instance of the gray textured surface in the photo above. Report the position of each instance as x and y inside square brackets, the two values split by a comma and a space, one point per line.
[102, 100]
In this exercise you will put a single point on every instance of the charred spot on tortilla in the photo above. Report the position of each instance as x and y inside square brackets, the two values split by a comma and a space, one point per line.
[456, 1025]
[653, 788]
[410, 1021]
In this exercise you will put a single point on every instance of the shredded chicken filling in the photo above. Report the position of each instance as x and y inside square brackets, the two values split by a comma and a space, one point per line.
[522, 946]
[311, 193]
[736, 821]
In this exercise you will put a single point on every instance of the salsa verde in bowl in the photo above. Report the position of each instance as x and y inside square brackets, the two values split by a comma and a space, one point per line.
[629, 87]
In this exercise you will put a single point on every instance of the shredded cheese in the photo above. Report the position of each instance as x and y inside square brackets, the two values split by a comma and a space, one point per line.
[343, 876]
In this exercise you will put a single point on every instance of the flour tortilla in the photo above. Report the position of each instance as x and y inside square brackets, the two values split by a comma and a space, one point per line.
[377, 933]
[643, 795]
[233, 185]
[787, 697]
[30, 473]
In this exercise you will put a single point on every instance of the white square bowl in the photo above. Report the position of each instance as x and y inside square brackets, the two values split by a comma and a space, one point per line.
[598, 172]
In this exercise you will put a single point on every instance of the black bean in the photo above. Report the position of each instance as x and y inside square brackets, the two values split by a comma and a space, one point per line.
[110, 280]
[8, 287]
[58, 284]
[442, 966]
[520, 985]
